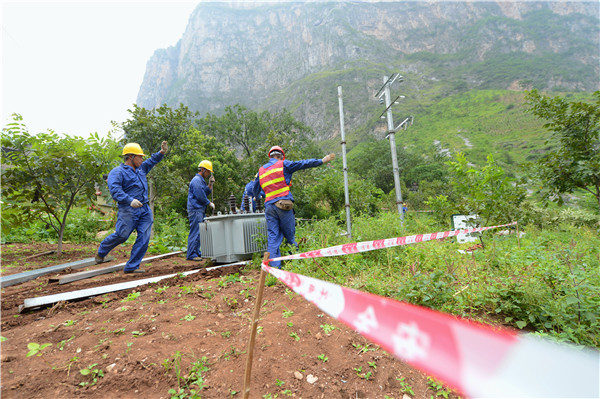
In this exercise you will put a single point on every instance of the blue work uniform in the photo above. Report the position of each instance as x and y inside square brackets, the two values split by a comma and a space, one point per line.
[196, 208]
[281, 223]
[126, 184]
[249, 191]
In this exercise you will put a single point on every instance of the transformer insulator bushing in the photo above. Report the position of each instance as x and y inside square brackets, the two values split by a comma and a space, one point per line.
[247, 203]
[232, 205]
[259, 205]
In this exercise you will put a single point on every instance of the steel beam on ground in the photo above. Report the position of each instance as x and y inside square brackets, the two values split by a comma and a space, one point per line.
[109, 269]
[7, 281]
[31, 303]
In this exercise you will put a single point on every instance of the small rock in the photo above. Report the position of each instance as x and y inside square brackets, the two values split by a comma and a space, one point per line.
[311, 379]
[405, 396]
[318, 335]
[298, 375]
[111, 367]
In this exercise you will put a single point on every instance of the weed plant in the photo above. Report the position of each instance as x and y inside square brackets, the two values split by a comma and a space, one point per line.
[547, 282]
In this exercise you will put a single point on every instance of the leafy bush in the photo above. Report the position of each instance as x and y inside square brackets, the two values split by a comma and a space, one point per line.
[531, 213]
[83, 225]
[170, 233]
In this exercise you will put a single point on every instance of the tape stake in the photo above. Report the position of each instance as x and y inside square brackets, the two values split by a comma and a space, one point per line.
[471, 357]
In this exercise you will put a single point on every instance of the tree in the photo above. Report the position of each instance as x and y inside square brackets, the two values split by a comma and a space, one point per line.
[149, 128]
[238, 127]
[574, 163]
[183, 165]
[372, 160]
[46, 175]
[486, 192]
[326, 194]
[251, 134]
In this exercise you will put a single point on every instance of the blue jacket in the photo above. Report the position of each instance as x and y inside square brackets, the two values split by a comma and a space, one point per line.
[289, 167]
[198, 194]
[249, 191]
[126, 184]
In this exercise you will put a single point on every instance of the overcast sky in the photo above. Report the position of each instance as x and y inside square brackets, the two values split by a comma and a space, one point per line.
[74, 67]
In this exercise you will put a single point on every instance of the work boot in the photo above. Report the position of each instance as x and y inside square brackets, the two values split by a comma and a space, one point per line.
[134, 271]
[196, 259]
[99, 259]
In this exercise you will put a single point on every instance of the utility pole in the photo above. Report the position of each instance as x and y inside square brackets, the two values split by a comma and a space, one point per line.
[385, 92]
[346, 195]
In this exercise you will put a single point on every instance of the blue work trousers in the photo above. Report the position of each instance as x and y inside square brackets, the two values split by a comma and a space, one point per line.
[193, 249]
[280, 224]
[129, 219]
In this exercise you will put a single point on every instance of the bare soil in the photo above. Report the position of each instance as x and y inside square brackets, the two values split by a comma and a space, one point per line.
[143, 342]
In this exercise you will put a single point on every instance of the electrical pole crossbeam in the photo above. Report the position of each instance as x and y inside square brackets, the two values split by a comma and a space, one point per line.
[389, 106]
[404, 124]
[388, 83]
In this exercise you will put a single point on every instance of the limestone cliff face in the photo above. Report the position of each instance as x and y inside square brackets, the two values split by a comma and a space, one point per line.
[269, 55]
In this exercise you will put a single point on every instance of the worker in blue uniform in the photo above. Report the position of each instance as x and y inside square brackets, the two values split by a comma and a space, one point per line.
[249, 192]
[128, 186]
[275, 178]
[196, 207]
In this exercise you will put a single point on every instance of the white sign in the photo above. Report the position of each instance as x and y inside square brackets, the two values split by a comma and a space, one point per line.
[465, 222]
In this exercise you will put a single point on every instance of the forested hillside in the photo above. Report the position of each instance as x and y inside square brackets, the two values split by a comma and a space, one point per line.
[294, 56]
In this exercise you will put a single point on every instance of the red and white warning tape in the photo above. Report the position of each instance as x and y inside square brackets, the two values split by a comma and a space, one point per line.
[365, 246]
[475, 359]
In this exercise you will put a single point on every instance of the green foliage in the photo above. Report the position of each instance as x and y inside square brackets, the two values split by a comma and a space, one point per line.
[433, 290]
[36, 349]
[190, 383]
[94, 374]
[46, 175]
[132, 296]
[171, 232]
[575, 127]
[488, 192]
[548, 284]
[81, 227]
[531, 213]
[182, 166]
[251, 134]
[326, 195]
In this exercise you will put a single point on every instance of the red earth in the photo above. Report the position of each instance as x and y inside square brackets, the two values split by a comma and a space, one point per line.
[183, 335]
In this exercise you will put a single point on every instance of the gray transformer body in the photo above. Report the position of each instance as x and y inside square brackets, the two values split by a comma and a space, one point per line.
[233, 237]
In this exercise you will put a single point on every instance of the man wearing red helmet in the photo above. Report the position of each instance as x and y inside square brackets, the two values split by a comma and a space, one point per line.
[274, 179]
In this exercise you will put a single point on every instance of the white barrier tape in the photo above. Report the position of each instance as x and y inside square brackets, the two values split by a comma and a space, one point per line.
[365, 246]
[470, 357]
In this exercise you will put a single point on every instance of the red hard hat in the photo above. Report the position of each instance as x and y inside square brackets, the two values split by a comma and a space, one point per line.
[277, 148]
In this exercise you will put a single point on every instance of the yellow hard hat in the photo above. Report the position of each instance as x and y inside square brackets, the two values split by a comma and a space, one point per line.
[133, 148]
[206, 165]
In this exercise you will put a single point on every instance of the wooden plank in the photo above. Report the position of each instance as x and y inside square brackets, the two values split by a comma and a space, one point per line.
[12, 279]
[109, 269]
[47, 300]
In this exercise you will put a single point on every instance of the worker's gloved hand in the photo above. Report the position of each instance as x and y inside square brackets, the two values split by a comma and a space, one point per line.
[164, 147]
[328, 158]
[211, 179]
[136, 204]
[212, 206]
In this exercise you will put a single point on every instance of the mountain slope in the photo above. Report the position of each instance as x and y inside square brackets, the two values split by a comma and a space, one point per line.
[294, 55]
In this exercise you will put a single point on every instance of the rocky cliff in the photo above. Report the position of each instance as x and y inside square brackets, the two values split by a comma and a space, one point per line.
[294, 55]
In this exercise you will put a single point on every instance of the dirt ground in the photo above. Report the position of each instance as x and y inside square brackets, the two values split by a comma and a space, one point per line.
[183, 335]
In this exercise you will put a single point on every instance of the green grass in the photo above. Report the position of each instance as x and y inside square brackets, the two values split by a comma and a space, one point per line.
[548, 283]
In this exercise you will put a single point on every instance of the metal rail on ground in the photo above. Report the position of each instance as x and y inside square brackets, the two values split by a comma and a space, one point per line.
[105, 270]
[12, 279]
[31, 303]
